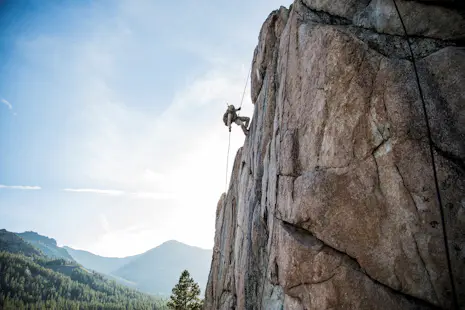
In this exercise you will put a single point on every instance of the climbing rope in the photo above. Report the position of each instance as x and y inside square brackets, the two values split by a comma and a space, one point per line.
[245, 87]
[229, 139]
[436, 182]
[227, 162]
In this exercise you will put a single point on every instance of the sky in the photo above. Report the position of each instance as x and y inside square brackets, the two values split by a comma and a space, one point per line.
[111, 132]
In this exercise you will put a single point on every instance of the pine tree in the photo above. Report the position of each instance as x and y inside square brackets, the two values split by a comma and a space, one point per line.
[185, 294]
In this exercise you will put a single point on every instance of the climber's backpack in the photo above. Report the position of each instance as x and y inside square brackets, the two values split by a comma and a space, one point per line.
[225, 117]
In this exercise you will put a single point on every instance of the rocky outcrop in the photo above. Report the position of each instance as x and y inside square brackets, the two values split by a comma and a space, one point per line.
[332, 202]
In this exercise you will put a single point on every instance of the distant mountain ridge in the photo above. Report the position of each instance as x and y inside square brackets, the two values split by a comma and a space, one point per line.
[155, 271]
[10, 242]
[99, 263]
[47, 245]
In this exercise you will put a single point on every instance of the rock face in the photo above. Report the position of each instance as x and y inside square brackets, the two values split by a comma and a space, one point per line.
[332, 202]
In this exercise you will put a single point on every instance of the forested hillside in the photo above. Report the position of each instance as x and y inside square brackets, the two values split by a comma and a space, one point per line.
[10, 242]
[30, 280]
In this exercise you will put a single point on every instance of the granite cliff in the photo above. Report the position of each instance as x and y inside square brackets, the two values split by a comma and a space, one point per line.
[335, 198]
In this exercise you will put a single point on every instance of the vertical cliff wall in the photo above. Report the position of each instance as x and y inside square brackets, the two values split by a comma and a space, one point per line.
[332, 202]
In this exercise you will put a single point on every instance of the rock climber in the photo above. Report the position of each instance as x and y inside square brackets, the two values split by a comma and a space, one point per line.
[230, 117]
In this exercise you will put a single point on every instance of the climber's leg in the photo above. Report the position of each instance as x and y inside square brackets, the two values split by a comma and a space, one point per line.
[245, 119]
[238, 121]
[244, 129]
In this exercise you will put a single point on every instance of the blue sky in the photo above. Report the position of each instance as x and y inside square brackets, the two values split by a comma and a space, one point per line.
[111, 133]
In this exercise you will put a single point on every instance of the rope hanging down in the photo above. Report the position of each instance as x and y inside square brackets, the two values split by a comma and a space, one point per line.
[245, 87]
[229, 139]
[227, 162]
[436, 182]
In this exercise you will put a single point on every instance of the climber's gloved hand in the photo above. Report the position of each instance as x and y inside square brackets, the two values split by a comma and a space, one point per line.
[239, 109]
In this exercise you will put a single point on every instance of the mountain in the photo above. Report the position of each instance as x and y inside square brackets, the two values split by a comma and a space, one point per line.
[98, 263]
[10, 242]
[31, 280]
[48, 246]
[158, 270]
[349, 189]
[155, 271]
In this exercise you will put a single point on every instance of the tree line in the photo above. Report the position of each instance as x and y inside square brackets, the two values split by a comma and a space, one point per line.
[31, 280]
[34, 284]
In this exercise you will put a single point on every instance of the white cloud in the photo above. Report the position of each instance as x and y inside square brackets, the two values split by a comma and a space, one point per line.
[21, 187]
[110, 192]
[7, 103]
[113, 192]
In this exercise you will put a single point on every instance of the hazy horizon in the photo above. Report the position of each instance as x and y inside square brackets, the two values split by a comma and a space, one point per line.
[111, 125]
[206, 249]
[144, 251]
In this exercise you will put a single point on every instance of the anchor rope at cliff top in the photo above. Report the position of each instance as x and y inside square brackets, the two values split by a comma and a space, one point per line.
[229, 138]
[433, 162]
